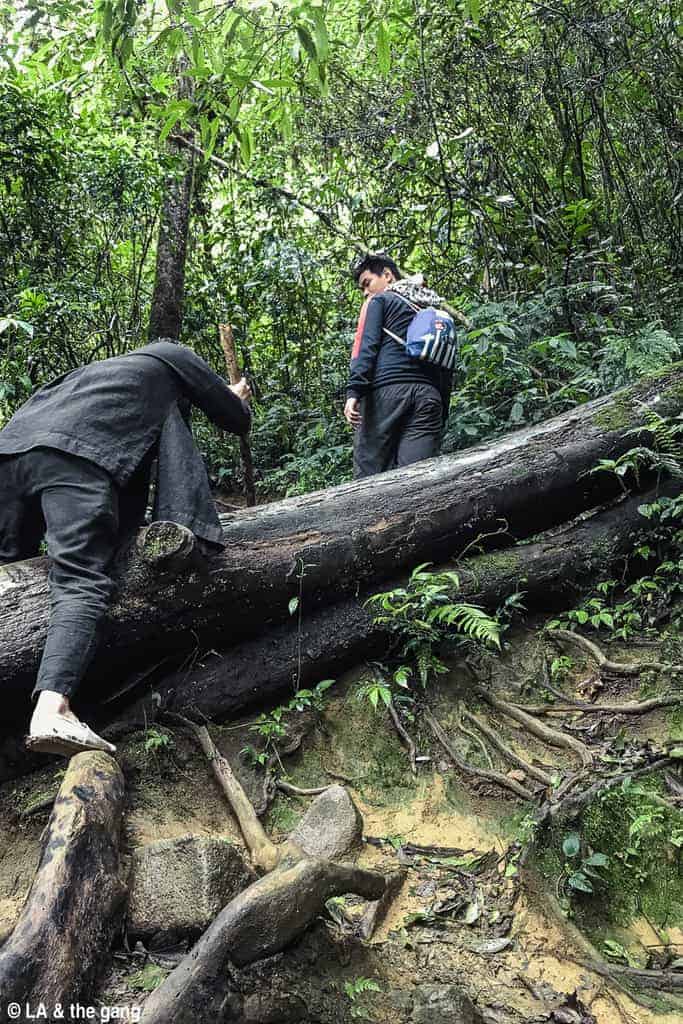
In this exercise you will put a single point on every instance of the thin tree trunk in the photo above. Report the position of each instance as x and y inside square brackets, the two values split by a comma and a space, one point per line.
[166, 313]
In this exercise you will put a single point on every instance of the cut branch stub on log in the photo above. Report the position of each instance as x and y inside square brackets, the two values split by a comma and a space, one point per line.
[166, 546]
[350, 537]
[72, 911]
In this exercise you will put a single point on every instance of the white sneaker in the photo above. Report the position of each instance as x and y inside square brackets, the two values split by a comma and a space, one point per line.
[58, 734]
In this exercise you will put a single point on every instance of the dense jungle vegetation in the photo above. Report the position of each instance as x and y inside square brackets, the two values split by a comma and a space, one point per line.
[522, 155]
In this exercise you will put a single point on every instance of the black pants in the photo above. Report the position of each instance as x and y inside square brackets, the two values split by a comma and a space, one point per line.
[401, 424]
[75, 504]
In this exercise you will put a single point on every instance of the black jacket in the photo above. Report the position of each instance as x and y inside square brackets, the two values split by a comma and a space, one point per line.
[382, 360]
[112, 412]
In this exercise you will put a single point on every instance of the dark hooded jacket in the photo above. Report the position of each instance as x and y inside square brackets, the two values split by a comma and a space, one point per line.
[122, 412]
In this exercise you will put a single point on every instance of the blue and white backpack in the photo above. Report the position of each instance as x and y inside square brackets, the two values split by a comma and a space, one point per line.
[431, 335]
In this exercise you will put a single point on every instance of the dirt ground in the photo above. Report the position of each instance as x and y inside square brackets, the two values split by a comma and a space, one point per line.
[462, 923]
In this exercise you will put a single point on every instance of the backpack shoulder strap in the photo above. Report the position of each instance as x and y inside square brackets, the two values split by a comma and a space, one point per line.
[394, 336]
[413, 306]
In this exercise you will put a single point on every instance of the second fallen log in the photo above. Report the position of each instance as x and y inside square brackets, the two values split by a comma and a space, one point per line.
[70, 916]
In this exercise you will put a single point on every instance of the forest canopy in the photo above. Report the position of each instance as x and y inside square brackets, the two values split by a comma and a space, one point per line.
[523, 156]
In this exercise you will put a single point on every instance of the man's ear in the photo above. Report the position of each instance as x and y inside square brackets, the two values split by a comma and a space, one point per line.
[388, 276]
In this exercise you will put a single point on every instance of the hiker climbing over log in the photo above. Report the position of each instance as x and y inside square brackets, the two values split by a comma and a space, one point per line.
[75, 464]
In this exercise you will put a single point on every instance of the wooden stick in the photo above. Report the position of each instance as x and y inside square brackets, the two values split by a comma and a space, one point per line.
[228, 345]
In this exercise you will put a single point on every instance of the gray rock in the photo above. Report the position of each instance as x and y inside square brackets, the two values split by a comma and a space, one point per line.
[331, 827]
[177, 886]
[445, 1004]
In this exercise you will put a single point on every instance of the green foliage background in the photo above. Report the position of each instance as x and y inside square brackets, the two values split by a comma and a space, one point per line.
[522, 155]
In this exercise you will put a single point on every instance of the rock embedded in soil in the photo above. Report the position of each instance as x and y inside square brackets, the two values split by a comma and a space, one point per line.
[178, 886]
[446, 1004]
[331, 827]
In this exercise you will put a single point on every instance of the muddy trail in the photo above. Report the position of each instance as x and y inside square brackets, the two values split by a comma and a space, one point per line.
[488, 921]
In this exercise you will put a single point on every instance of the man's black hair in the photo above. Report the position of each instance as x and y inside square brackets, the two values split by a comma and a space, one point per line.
[375, 263]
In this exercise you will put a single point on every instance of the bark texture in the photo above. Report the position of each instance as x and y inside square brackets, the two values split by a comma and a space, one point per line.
[348, 539]
[72, 910]
[168, 297]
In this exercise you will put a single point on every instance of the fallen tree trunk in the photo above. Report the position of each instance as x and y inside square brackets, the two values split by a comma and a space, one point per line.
[550, 572]
[71, 913]
[325, 545]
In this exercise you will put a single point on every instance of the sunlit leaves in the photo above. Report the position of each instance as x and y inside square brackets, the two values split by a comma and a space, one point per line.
[383, 49]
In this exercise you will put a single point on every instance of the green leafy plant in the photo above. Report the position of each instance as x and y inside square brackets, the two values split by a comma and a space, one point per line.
[358, 987]
[157, 741]
[149, 978]
[614, 950]
[425, 615]
[582, 873]
[272, 725]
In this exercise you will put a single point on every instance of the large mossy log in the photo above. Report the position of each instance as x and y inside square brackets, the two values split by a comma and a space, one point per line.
[550, 572]
[75, 903]
[342, 540]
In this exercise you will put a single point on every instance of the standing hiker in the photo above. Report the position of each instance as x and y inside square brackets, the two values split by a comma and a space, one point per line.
[75, 462]
[396, 403]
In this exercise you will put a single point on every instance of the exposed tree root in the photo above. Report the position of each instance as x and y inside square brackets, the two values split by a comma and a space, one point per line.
[607, 667]
[572, 804]
[667, 981]
[405, 738]
[471, 735]
[639, 707]
[260, 922]
[480, 773]
[264, 853]
[553, 737]
[264, 918]
[375, 911]
[72, 911]
[290, 790]
[494, 740]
